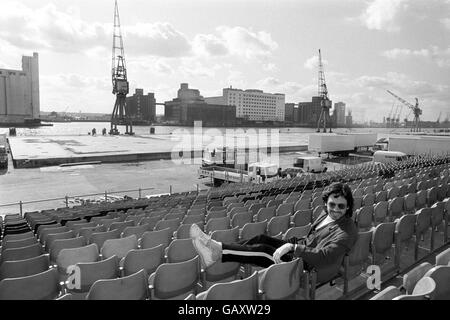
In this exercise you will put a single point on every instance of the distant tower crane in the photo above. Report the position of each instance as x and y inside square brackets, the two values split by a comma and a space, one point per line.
[120, 83]
[389, 118]
[325, 103]
[414, 108]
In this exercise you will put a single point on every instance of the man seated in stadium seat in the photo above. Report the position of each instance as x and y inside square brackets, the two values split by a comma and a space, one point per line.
[332, 235]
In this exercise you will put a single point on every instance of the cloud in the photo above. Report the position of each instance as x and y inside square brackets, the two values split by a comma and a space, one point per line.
[400, 82]
[270, 67]
[439, 56]
[446, 23]
[158, 39]
[210, 45]
[381, 15]
[294, 91]
[48, 28]
[313, 63]
[246, 42]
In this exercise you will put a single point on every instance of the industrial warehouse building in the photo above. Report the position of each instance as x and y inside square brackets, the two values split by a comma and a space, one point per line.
[19, 92]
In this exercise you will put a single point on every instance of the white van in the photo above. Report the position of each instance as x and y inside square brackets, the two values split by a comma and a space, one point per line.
[389, 156]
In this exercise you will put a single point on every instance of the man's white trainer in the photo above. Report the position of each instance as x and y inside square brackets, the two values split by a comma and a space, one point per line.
[209, 250]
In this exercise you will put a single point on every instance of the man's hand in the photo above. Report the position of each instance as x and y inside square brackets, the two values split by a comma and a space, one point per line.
[281, 251]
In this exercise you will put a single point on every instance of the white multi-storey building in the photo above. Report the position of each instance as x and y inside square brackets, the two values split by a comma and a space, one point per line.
[19, 91]
[253, 104]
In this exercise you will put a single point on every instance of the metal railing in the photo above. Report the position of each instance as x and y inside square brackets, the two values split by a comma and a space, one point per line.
[81, 199]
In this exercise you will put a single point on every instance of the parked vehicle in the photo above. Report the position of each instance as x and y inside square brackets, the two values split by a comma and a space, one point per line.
[388, 156]
[310, 164]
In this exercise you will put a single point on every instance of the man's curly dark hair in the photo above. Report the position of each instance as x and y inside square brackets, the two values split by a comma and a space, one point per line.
[340, 189]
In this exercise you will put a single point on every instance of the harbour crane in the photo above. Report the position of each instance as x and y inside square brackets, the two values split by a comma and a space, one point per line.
[325, 103]
[389, 118]
[120, 83]
[414, 108]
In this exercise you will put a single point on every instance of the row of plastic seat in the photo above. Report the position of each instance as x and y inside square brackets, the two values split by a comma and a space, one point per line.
[424, 282]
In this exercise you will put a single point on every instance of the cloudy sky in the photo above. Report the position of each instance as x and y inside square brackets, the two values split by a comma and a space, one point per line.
[368, 47]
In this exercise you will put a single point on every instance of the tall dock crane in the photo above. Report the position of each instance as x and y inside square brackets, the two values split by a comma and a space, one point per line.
[119, 80]
[415, 110]
[389, 117]
[325, 103]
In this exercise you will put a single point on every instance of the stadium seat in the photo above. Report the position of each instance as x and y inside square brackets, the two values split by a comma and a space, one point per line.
[432, 195]
[175, 280]
[90, 272]
[41, 228]
[23, 268]
[380, 212]
[21, 253]
[183, 230]
[12, 244]
[46, 232]
[70, 224]
[364, 218]
[190, 219]
[368, 199]
[121, 225]
[424, 290]
[86, 232]
[108, 222]
[298, 232]
[443, 258]
[180, 250]
[302, 218]
[119, 247]
[302, 204]
[317, 211]
[281, 281]
[421, 199]
[61, 244]
[57, 236]
[250, 230]
[171, 224]
[380, 196]
[72, 256]
[41, 286]
[404, 231]
[222, 271]
[137, 230]
[388, 293]
[437, 220]
[411, 278]
[409, 203]
[152, 239]
[440, 275]
[147, 259]
[382, 241]
[285, 209]
[423, 224]
[99, 238]
[278, 224]
[132, 287]
[245, 289]
[217, 224]
[395, 208]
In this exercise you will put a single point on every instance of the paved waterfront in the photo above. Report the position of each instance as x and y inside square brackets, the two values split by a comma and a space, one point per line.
[39, 151]
[57, 182]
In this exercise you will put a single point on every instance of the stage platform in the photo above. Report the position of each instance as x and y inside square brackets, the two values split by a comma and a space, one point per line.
[40, 151]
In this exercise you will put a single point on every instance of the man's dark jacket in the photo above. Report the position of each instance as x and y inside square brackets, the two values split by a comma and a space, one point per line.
[327, 245]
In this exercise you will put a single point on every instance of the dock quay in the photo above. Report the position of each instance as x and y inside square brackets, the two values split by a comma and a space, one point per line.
[41, 151]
